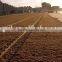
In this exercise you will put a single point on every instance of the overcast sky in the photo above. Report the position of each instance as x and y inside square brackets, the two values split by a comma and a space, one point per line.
[32, 3]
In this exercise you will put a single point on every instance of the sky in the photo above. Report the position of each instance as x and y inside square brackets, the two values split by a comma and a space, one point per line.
[32, 3]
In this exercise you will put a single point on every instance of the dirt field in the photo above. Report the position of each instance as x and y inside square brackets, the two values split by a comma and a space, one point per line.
[24, 19]
[33, 46]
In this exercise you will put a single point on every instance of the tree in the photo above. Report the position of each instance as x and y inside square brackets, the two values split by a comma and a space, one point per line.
[55, 8]
[46, 5]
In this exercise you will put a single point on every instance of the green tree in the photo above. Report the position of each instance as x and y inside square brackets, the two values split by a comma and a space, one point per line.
[46, 5]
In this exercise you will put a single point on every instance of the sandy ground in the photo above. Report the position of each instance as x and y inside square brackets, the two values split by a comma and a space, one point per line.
[56, 15]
